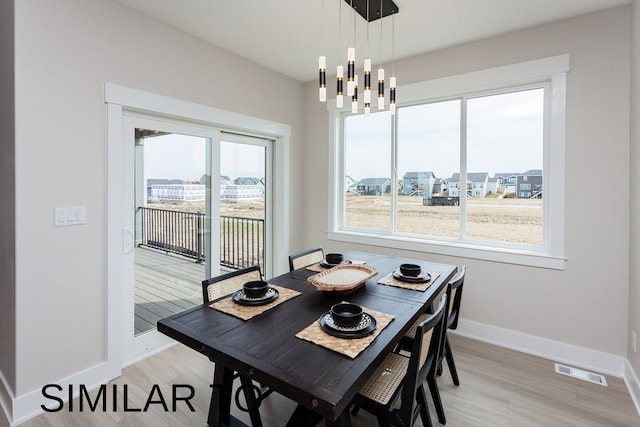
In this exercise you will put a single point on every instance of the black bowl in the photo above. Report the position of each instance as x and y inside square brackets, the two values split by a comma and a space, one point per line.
[255, 288]
[333, 259]
[346, 315]
[410, 270]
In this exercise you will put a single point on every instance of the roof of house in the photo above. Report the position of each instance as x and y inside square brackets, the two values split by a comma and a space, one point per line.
[374, 181]
[532, 172]
[245, 180]
[471, 177]
[506, 174]
[418, 175]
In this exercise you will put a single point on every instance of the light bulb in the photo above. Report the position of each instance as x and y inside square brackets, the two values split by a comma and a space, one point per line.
[322, 78]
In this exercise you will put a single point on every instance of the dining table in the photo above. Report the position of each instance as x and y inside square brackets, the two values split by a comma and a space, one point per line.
[274, 348]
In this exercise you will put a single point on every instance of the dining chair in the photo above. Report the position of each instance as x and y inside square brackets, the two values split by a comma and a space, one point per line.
[402, 377]
[226, 284]
[221, 286]
[305, 258]
[456, 285]
[455, 300]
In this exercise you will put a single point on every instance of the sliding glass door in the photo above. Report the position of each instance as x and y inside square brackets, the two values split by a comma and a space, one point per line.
[244, 201]
[169, 235]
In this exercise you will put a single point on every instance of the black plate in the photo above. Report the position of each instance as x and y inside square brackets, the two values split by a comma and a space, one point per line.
[240, 298]
[366, 326]
[325, 264]
[420, 278]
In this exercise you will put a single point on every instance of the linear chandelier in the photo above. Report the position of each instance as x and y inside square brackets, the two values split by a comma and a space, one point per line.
[370, 10]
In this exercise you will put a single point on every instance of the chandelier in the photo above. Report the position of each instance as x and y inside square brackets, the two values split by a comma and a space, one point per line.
[370, 10]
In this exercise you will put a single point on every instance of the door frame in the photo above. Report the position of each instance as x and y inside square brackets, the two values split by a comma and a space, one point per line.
[121, 99]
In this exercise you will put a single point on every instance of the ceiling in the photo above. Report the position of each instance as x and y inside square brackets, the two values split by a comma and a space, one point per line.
[288, 35]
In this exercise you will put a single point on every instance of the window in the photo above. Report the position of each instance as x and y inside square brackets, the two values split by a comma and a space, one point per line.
[453, 173]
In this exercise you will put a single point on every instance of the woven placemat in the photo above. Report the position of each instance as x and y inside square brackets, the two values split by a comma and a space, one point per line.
[246, 312]
[348, 346]
[392, 281]
[319, 269]
[315, 267]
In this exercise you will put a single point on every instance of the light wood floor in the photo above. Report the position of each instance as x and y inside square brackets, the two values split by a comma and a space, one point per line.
[499, 387]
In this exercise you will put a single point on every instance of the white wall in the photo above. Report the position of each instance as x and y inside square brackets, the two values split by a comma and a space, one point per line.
[586, 304]
[65, 51]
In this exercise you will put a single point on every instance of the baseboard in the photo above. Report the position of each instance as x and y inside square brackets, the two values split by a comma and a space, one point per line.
[150, 353]
[28, 406]
[557, 351]
[633, 384]
[6, 398]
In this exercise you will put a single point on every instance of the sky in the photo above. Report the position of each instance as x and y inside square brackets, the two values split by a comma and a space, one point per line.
[504, 135]
[183, 157]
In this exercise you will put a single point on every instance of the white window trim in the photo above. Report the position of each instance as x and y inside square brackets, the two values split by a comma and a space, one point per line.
[552, 69]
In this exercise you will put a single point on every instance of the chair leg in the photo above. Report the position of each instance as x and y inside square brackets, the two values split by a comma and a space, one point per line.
[451, 363]
[355, 409]
[437, 402]
[383, 422]
[424, 407]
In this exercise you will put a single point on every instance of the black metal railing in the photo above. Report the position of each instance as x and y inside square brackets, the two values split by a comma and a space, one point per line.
[173, 231]
[183, 233]
[241, 242]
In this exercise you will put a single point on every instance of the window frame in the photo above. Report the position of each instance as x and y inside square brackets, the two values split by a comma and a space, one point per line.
[551, 71]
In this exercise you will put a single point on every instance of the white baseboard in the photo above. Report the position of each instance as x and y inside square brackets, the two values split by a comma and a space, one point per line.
[633, 384]
[28, 405]
[6, 397]
[557, 351]
[21, 408]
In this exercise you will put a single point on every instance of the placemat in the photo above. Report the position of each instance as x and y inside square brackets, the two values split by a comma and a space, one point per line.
[392, 281]
[348, 346]
[246, 312]
[319, 269]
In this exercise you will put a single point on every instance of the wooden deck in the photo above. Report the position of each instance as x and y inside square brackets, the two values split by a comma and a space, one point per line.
[165, 284]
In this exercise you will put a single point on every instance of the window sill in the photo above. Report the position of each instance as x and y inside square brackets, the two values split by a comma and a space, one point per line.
[463, 250]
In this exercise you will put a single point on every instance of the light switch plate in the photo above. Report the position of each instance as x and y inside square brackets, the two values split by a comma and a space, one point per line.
[70, 216]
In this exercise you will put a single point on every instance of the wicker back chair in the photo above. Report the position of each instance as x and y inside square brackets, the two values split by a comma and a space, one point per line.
[401, 378]
[226, 284]
[305, 258]
[222, 286]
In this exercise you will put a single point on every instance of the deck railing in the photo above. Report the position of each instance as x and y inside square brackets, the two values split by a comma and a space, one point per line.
[183, 233]
[241, 242]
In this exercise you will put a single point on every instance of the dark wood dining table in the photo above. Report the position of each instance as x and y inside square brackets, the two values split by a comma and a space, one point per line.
[265, 348]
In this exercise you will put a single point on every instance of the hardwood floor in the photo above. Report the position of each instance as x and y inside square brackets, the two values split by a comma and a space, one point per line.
[498, 387]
